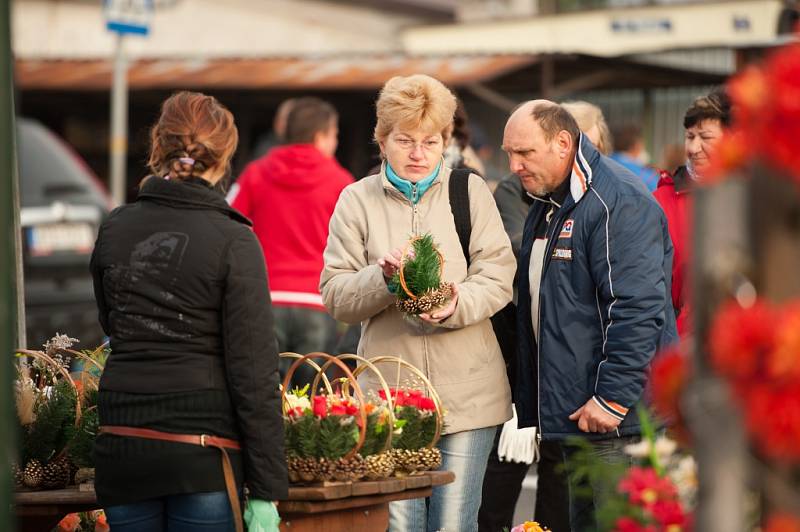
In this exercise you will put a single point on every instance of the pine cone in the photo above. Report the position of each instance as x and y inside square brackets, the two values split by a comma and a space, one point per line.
[408, 462]
[327, 469]
[55, 474]
[380, 465]
[32, 476]
[431, 458]
[307, 469]
[350, 469]
[16, 473]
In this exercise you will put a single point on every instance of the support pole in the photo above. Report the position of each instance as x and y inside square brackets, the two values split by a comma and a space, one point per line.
[118, 144]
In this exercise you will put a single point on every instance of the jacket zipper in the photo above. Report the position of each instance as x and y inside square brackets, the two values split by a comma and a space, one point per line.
[554, 222]
[415, 231]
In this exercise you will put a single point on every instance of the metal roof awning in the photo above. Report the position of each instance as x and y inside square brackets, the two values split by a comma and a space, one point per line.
[309, 73]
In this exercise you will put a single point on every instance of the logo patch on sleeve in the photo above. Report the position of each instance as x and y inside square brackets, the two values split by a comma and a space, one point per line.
[566, 229]
[562, 254]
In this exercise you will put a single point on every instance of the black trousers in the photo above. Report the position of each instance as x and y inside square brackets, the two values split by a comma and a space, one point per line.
[502, 485]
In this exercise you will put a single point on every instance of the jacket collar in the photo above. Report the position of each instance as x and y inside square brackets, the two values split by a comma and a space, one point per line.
[188, 194]
[682, 180]
[581, 176]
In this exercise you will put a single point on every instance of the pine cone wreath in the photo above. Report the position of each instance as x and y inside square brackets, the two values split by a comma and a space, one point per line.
[32, 475]
[350, 469]
[380, 465]
[56, 473]
[431, 458]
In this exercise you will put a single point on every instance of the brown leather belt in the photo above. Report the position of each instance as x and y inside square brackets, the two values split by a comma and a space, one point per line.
[203, 440]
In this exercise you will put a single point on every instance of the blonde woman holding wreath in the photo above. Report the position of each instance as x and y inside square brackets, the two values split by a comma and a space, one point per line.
[454, 346]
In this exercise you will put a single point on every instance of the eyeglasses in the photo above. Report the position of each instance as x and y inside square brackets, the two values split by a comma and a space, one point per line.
[410, 145]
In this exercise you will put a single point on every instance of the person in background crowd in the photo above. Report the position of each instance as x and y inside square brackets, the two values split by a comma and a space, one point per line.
[180, 287]
[673, 156]
[508, 467]
[704, 122]
[629, 151]
[593, 291]
[290, 195]
[275, 137]
[459, 153]
[591, 121]
[454, 345]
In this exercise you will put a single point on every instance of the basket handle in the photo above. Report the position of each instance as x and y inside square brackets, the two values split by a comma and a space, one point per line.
[431, 390]
[39, 355]
[362, 427]
[364, 365]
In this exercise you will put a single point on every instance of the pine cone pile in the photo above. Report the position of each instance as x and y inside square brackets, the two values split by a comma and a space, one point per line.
[430, 458]
[408, 462]
[380, 465]
[303, 469]
[427, 302]
[350, 469]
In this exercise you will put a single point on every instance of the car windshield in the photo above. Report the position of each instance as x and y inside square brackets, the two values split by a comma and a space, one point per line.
[49, 171]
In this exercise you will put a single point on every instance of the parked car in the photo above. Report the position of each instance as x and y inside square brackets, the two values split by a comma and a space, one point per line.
[62, 204]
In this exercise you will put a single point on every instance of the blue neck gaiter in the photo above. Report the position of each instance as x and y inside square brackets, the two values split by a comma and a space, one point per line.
[413, 191]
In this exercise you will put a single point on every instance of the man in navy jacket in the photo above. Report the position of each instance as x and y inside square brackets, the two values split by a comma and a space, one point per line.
[594, 288]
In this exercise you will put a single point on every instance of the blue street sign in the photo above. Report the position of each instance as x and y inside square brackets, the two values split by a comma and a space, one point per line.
[128, 16]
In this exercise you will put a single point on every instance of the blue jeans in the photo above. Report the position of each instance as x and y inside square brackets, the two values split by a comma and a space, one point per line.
[452, 507]
[200, 512]
[582, 514]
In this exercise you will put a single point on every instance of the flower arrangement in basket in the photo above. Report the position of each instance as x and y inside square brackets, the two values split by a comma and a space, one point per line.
[418, 282]
[56, 414]
[323, 431]
[419, 420]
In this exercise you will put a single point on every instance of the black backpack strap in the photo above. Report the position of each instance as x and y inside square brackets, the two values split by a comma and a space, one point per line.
[459, 204]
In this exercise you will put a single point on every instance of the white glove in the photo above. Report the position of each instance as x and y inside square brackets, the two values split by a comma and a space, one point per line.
[517, 445]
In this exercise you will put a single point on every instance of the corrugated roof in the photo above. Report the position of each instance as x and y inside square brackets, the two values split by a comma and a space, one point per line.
[317, 73]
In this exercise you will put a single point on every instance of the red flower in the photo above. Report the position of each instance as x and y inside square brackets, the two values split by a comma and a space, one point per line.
[740, 338]
[426, 403]
[645, 487]
[671, 371]
[338, 409]
[669, 514]
[69, 523]
[784, 359]
[629, 524]
[320, 406]
[773, 419]
[782, 523]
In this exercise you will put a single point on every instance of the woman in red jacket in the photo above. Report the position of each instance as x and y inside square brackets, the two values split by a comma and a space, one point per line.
[704, 122]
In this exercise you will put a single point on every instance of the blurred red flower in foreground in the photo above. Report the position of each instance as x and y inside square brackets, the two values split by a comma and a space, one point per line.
[782, 523]
[670, 373]
[656, 498]
[758, 350]
[766, 115]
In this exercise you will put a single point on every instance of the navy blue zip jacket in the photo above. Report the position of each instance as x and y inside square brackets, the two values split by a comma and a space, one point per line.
[604, 306]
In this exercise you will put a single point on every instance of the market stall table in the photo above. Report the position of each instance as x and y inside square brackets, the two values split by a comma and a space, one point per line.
[338, 507]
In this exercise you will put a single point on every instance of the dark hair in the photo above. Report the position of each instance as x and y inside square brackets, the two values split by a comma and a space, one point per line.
[716, 105]
[307, 117]
[553, 118]
[626, 136]
[461, 132]
[194, 133]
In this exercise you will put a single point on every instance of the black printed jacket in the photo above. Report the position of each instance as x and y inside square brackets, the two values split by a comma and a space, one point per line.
[181, 289]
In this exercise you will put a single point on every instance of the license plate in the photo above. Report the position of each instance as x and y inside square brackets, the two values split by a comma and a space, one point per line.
[47, 239]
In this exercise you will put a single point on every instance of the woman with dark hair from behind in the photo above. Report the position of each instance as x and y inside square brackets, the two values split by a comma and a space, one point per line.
[704, 123]
[189, 404]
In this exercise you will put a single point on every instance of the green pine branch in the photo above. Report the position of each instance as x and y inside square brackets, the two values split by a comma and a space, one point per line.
[421, 273]
[418, 430]
[55, 416]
